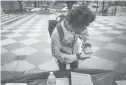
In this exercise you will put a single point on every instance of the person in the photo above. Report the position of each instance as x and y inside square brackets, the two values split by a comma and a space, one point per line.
[105, 11]
[69, 38]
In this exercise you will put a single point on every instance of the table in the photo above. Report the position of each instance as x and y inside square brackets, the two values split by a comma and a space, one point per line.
[99, 77]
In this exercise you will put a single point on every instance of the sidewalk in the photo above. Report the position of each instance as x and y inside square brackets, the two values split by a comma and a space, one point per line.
[27, 47]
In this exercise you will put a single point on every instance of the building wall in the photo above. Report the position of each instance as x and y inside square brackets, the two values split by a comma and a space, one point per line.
[121, 3]
[10, 5]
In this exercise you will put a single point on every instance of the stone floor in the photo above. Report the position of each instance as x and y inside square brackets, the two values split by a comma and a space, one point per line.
[25, 45]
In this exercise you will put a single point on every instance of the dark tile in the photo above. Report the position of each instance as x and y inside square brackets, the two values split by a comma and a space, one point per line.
[10, 74]
[7, 57]
[20, 57]
[124, 33]
[116, 47]
[6, 33]
[25, 33]
[124, 60]
[110, 55]
[13, 46]
[121, 24]
[109, 34]
[121, 68]
[118, 29]
[14, 28]
[97, 43]
[106, 78]
[3, 37]
[112, 26]
[119, 41]
[41, 45]
[6, 75]
[20, 38]
[38, 58]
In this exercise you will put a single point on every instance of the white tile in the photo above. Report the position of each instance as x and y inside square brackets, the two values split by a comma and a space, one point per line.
[9, 66]
[96, 24]
[98, 63]
[33, 35]
[16, 84]
[36, 26]
[105, 28]
[48, 40]
[23, 65]
[7, 41]
[90, 28]
[122, 37]
[121, 82]
[50, 65]
[35, 70]
[94, 33]
[47, 50]
[8, 27]
[24, 51]
[103, 38]
[29, 41]
[5, 30]
[114, 24]
[116, 47]
[114, 32]
[13, 35]
[19, 30]
[37, 30]
[17, 65]
[3, 50]
[95, 48]
[124, 60]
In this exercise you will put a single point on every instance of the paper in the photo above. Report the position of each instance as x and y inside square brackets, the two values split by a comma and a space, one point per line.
[62, 81]
[81, 79]
[16, 84]
[122, 82]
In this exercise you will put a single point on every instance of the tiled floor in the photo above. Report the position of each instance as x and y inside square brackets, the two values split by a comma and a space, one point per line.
[29, 38]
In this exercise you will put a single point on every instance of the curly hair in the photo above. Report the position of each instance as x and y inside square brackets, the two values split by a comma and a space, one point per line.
[80, 15]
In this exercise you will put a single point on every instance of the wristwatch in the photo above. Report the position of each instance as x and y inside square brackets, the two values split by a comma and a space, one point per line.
[78, 55]
[81, 58]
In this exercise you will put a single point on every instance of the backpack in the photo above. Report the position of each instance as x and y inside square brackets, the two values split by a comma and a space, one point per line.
[53, 24]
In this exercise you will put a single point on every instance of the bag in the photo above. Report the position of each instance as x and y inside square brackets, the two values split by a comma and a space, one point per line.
[54, 23]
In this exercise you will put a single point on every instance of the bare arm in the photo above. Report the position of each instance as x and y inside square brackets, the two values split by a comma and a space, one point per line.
[55, 46]
[87, 49]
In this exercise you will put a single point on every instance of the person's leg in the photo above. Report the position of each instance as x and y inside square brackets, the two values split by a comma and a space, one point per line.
[62, 66]
[74, 65]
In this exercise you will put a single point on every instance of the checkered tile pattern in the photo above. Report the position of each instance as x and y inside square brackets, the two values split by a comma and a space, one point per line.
[26, 47]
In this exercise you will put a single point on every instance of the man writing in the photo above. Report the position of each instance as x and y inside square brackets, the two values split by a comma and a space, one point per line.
[68, 40]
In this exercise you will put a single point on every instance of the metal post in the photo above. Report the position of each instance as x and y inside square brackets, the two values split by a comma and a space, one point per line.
[97, 8]
[103, 4]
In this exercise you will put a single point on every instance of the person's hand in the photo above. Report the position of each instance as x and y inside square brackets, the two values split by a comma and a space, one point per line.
[84, 56]
[87, 48]
[78, 56]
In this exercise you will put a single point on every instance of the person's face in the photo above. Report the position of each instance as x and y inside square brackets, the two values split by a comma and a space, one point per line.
[79, 29]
